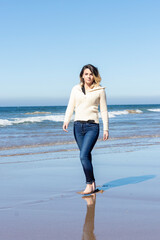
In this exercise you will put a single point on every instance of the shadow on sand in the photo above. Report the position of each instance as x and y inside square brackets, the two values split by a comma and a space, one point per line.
[124, 181]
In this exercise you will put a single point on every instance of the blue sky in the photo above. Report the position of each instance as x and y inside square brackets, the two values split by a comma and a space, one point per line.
[44, 45]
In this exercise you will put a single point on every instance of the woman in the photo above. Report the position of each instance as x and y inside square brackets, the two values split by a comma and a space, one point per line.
[85, 99]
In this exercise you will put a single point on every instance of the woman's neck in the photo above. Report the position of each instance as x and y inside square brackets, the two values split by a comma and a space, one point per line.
[87, 87]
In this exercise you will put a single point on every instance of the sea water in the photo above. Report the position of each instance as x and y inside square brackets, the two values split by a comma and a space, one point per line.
[36, 127]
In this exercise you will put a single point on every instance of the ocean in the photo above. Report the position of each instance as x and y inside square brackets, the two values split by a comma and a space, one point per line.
[36, 129]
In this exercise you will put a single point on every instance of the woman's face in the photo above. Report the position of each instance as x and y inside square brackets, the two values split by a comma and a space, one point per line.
[88, 76]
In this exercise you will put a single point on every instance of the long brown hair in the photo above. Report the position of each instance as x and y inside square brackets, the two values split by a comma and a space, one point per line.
[96, 75]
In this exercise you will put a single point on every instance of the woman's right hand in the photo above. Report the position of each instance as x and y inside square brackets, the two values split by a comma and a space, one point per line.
[65, 126]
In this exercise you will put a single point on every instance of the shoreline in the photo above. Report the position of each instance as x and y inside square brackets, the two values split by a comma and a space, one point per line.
[71, 142]
[54, 147]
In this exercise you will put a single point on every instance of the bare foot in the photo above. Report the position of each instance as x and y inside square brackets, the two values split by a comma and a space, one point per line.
[88, 189]
[94, 186]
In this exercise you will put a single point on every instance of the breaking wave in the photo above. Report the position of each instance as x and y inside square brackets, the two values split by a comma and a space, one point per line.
[56, 118]
[123, 112]
[154, 110]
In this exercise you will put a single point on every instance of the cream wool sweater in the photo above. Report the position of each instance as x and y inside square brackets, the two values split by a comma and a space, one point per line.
[86, 105]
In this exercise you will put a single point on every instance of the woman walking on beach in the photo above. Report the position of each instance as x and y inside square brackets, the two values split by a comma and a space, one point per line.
[85, 99]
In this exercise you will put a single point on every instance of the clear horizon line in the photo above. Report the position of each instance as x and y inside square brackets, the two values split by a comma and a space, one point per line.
[66, 105]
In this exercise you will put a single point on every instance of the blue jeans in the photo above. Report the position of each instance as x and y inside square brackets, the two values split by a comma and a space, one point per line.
[86, 135]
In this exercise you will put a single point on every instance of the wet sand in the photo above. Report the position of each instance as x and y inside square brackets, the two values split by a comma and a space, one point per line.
[38, 197]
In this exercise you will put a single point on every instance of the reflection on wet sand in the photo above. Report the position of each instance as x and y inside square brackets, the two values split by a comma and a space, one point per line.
[88, 228]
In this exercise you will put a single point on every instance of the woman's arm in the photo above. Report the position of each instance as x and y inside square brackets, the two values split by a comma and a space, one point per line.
[104, 114]
[69, 110]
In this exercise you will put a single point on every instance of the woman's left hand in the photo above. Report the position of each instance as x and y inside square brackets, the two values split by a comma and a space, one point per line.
[105, 135]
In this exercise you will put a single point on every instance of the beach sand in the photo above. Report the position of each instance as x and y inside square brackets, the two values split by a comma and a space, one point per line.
[39, 200]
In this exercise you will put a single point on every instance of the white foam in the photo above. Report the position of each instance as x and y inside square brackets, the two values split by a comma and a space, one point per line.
[54, 118]
[154, 110]
[58, 117]
[4, 122]
[113, 114]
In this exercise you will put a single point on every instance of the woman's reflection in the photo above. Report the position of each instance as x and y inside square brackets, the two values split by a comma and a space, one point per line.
[88, 228]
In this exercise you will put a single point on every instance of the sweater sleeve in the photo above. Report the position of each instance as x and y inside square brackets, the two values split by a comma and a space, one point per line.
[103, 110]
[70, 107]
